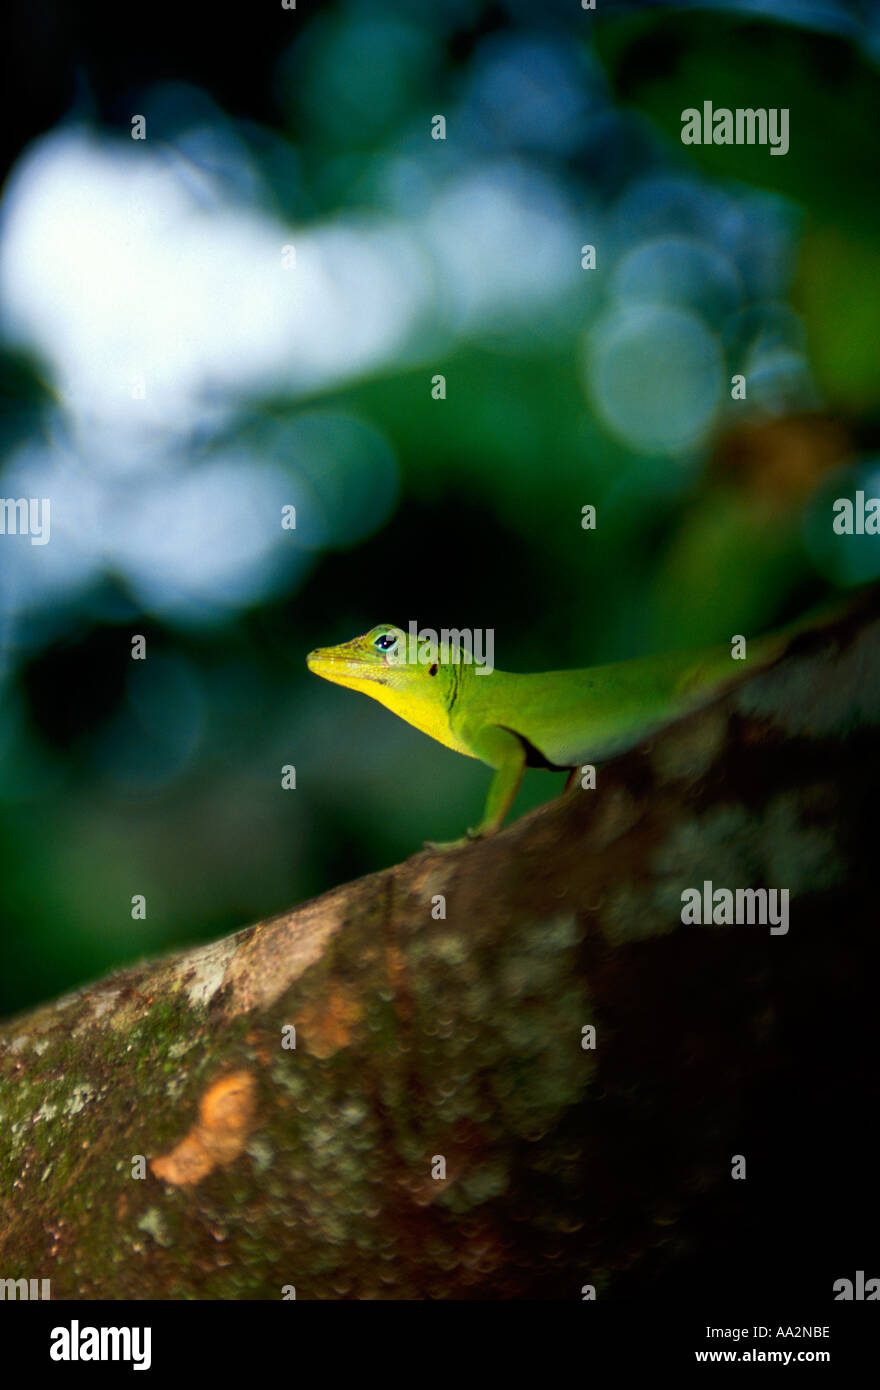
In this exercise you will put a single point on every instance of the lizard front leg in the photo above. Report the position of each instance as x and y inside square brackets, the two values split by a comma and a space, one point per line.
[502, 750]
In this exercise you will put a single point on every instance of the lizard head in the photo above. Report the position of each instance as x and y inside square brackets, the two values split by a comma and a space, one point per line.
[361, 660]
[382, 657]
[396, 671]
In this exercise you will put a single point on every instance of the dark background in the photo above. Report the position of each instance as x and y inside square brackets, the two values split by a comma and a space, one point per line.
[463, 512]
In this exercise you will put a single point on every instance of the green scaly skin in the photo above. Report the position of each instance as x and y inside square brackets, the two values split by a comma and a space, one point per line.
[556, 719]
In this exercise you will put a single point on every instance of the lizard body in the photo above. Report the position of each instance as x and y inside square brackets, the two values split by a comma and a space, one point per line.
[553, 719]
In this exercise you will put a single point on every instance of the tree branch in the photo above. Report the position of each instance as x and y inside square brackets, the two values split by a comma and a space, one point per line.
[424, 1040]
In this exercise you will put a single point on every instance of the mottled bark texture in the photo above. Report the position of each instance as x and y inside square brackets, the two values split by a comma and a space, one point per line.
[420, 1038]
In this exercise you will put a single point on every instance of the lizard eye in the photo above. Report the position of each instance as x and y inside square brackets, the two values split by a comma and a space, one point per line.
[384, 641]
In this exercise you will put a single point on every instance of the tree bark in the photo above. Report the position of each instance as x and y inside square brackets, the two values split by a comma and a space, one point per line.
[428, 1045]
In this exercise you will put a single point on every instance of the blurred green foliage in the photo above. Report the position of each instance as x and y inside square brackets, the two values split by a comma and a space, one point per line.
[164, 778]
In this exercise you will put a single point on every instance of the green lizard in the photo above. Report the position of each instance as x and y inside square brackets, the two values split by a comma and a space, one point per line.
[557, 719]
